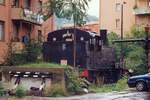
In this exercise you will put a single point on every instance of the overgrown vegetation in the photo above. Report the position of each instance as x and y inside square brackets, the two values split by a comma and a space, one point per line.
[119, 86]
[56, 91]
[20, 92]
[29, 55]
[33, 50]
[74, 83]
[133, 52]
[1, 90]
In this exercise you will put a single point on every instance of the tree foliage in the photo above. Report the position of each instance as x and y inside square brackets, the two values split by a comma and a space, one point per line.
[69, 9]
[113, 36]
[30, 54]
[133, 52]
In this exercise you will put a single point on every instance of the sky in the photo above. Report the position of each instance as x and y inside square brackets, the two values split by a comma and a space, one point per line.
[94, 8]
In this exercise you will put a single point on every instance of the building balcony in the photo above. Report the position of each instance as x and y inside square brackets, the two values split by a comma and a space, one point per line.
[26, 15]
[142, 11]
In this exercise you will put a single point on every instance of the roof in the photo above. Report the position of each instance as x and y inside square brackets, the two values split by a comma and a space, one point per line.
[59, 35]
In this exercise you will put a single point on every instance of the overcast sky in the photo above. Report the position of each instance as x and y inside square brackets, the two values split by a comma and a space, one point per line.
[94, 8]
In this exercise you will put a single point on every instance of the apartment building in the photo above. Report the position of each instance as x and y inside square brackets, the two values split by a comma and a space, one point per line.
[135, 12]
[20, 19]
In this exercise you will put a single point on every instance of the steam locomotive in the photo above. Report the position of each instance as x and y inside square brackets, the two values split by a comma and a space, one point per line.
[92, 53]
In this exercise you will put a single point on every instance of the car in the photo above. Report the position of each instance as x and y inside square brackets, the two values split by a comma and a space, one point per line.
[141, 82]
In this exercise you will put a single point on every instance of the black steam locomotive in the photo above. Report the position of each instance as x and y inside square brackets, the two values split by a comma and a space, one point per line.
[91, 53]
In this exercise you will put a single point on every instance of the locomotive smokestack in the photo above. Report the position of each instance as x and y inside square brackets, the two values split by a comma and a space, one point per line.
[103, 35]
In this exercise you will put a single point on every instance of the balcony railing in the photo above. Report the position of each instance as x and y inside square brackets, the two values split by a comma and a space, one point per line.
[26, 15]
[142, 11]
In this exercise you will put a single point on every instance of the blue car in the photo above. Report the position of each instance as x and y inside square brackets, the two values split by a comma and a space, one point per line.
[141, 82]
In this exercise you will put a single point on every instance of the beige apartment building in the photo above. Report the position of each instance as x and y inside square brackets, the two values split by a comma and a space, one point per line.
[135, 12]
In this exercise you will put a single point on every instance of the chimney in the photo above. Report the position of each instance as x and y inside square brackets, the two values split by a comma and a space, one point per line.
[103, 35]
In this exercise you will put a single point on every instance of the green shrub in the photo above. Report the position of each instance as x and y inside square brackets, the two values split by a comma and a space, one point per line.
[29, 55]
[33, 50]
[17, 59]
[56, 91]
[119, 86]
[104, 88]
[1, 90]
[74, 83]
[20, 92]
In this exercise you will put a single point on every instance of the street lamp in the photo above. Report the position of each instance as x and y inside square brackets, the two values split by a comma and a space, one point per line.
[122, 22]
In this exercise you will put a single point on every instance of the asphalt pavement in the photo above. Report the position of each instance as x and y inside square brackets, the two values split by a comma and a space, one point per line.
[125, 95]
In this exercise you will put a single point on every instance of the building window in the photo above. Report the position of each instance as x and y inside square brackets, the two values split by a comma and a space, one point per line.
[40, 6]
[15, 37]
[15, 3]
[2, 31]
[118, 6]
[117, 23]
[39, 35]
[2, 2]
[149, 3]
[27, 4]
[0, 76]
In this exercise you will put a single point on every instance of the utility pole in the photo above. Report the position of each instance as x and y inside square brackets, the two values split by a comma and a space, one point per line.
[74, 47]
[74, 39]
[122, 23]
[146, 47]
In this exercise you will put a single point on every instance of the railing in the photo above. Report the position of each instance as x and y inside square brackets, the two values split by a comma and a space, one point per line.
[142, 11]
[27, 15]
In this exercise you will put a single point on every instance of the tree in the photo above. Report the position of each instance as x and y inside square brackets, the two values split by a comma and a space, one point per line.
[113, 36]
[136, 55]
[69, 9]
[75, 9]
[50, 8]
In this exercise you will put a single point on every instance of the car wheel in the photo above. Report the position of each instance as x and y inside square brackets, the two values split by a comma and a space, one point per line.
[140, 86]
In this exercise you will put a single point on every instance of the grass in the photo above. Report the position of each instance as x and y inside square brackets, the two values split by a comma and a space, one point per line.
[43, 65]
[56, 91]
[104, 88]
[119, 86]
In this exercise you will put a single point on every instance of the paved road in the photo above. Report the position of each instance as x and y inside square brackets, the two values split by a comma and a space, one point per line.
[108, 96]
[99, 96]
